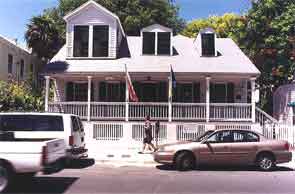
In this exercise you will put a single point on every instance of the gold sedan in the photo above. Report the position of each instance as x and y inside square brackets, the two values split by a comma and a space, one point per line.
[225, 147]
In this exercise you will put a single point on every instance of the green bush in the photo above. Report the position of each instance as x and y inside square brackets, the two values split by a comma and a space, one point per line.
[19, 96]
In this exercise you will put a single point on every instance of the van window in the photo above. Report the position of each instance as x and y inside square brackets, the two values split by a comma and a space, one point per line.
[75, 124]
[16, 123]
[80, 123]
[48, 123]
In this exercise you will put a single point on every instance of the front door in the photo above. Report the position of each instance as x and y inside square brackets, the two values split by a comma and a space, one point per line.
[216, 150]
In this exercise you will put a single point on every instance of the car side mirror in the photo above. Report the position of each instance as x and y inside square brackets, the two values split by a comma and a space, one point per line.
[206, 142]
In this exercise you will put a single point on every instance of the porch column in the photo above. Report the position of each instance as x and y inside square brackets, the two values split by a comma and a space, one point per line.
[47, 83]
[126, 101]
[208, 99]
[89, 98]
[253, 99]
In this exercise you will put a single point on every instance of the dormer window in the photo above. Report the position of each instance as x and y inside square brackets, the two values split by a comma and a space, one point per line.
[156, 40]
[148, 39]
[81, 41]
[164, 43]
[100, 41]
[208, 44]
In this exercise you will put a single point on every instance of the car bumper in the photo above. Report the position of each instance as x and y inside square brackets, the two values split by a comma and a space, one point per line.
[54, 167]
[77, 153]
[283, 157]
[164, 157]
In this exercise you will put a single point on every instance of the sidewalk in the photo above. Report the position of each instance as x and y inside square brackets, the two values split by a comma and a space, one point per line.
[123, 157]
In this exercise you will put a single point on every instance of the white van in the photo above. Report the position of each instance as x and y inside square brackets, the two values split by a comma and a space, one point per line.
[47, 126]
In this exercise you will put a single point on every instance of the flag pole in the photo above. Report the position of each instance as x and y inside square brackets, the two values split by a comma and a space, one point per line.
[170, 96]
[126, 96]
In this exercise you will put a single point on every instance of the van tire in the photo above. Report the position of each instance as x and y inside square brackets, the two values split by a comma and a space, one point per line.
[6, 174]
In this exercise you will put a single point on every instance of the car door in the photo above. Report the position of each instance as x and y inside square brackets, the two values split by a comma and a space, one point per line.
[243, 147]
[216, 149]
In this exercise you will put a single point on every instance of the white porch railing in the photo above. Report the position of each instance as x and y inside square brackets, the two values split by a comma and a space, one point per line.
[106, 110]
[77, 108]
[263, 118]
[188, 111]
[230, 112]
[138, 111]
[157, 111]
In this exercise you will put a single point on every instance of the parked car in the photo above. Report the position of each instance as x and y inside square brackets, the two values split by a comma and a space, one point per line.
[225, 147]
[21, 157]
[48, 125]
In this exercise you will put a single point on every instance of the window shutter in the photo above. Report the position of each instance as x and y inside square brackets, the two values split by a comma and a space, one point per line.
[148, 43]
[70, 91]
[196, 93]
[163, 94]
[102, 91]
[208, 44]
[122, 92]
[230, 93]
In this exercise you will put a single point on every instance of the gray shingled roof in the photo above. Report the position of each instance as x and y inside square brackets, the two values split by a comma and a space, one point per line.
[188, 59]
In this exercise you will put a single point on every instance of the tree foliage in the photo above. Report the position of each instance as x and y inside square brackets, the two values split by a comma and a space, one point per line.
[268, 42]
[16, 96]
[46, 33]
[266, 34]
[228, 25]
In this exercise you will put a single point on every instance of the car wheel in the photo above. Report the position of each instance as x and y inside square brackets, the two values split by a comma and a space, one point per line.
[185, 161]
[265, 162]
[5, 177]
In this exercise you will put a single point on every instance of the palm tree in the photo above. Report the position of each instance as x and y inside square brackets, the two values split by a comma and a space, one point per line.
[43, 36]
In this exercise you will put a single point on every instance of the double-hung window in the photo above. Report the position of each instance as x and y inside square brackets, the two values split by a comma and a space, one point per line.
[10, 62]
[81, 41]
[100, 41]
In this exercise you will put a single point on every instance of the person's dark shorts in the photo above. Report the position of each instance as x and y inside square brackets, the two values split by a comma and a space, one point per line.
[147, 140]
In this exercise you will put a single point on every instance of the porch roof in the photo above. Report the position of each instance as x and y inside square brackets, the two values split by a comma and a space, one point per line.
[186, 59]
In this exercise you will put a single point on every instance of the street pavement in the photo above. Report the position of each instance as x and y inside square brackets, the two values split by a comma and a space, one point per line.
[88, 177]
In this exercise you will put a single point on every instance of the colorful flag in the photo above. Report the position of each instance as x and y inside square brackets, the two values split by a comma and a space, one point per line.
[132, 94]
[172, 84]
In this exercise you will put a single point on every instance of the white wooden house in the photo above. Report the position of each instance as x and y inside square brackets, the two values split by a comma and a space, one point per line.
[215, 79]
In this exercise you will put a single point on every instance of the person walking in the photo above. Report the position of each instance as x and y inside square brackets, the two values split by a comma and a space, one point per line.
[157, 130]
[147, 140]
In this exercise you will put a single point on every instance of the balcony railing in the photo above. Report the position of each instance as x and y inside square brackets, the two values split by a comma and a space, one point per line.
[159, 111]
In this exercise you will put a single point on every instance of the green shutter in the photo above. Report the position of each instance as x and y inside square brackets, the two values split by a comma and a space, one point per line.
[102, 91]
[196, 93]
[69, 91]
[230, 92]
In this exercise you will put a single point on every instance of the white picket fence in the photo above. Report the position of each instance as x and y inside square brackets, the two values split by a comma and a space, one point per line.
[119, 133]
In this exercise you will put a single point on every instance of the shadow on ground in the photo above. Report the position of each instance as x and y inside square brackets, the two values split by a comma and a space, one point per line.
[224, 168]
[48, 185]
[81, 163]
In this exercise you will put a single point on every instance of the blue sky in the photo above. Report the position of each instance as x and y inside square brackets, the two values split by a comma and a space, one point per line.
[15, 14]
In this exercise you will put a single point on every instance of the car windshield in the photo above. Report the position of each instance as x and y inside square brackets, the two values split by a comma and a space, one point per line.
[203, 136]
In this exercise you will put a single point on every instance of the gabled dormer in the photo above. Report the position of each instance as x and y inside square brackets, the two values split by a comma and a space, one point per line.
[206, 43]
[93, 32]
[156, 40]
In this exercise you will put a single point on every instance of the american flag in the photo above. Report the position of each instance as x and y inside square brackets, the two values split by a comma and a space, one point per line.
[132, 94]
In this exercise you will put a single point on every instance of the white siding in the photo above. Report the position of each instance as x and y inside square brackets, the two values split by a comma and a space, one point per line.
[91, 16]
